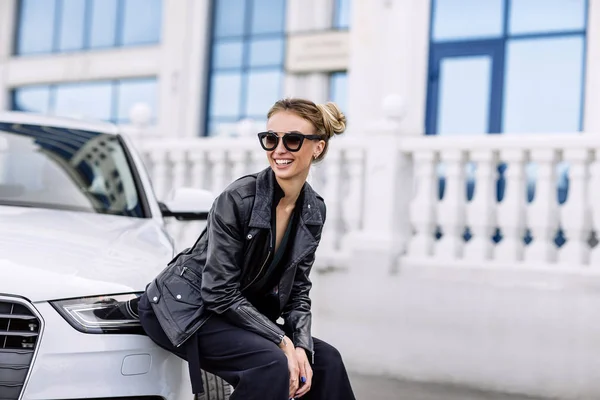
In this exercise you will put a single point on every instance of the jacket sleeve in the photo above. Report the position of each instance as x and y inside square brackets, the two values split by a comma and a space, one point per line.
[297, 312]
[222, 273]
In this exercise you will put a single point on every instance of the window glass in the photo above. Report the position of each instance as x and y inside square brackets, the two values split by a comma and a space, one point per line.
[131, 92]
[229, 18]
[543, 85]
[36, 26]
[103, 27]
[467, 19]
[142, 21]
[228, 54]
[268, 16]
[71, 27]
[339, 90]
[341, 19]
[84, 100]
[463, 106]
[263, 90]
[266, 52]
[32, 99]
[225, 94]
[543, 16]
[61, 169]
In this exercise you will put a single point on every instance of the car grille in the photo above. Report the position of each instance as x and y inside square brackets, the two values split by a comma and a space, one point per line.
[19, 335]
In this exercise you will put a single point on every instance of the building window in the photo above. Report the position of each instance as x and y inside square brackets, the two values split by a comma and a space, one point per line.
[247, 57]
[103, 100]
[506, 66]
[54, 26]
[341, 14]
[338, 90]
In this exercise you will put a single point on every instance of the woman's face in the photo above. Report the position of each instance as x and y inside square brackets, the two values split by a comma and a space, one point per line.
[292, 164]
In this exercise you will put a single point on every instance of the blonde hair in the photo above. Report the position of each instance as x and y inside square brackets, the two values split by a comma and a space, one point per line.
[327, 118]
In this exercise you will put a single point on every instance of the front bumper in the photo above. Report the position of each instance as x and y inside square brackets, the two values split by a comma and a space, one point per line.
[74, 365]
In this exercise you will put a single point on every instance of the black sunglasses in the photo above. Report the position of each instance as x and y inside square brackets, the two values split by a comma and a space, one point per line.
[292, 141]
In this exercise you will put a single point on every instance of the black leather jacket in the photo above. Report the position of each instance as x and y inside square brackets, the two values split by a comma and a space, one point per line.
[217, 273]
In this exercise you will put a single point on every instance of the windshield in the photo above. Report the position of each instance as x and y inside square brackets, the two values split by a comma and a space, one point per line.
[66, 169]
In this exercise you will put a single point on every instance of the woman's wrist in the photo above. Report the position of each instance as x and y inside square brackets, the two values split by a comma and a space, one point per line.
[286, 344]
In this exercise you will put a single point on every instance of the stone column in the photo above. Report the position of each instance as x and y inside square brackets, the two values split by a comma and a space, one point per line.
[387, 192]
[8, 13]
[389, 42]
[185, 47]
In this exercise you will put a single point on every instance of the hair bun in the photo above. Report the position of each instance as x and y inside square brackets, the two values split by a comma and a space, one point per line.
[334, 119]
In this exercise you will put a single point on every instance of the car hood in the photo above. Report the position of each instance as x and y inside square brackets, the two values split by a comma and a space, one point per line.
[50, 254]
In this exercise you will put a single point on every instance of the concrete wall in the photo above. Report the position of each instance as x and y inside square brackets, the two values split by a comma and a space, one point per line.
[532, 331]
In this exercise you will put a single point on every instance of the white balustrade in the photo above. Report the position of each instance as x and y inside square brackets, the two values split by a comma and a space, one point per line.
[511, 210]
[543, 211]
[451, 210]
[423, 210]
[593, 196]
[481, 216]
[382, 195]
[575, 213]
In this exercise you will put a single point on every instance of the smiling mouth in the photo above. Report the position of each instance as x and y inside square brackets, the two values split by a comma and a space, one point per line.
[283, 162]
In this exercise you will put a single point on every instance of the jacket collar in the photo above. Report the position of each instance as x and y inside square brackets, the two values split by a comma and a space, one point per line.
[263, 201]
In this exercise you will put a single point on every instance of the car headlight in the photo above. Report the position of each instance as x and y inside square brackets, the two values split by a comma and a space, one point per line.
[102, 314]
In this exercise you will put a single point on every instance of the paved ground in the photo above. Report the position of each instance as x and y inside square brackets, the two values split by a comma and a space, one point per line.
[376, 388]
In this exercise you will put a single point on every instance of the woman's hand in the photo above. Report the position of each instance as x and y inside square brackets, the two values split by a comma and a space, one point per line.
[289, 351]
[306, 372]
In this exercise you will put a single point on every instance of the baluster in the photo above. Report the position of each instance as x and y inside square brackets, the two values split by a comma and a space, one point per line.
[258, 161]
[219, 162]
[481, 214]
[575, 212]
[198, 159]
[331, 193]
[160, 172]
[452, 210]
[593, 196]
[542, 212]
[423, 205]
[511, 211]
[238, 159]
[354, 161]
[178, 159]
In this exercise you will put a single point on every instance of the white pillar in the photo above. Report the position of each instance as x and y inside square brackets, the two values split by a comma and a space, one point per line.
[387, 182]
[7, 30]
[389, 42]
[591, 122]
[185, 48]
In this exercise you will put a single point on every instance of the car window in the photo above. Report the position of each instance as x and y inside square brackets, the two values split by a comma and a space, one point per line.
[66, 169]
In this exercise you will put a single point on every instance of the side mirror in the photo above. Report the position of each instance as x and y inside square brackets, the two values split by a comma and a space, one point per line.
[187, 204]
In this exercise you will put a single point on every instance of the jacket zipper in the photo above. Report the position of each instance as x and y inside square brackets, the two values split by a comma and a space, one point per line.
[261, 323]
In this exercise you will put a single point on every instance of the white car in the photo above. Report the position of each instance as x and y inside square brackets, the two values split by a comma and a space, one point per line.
[80, 228]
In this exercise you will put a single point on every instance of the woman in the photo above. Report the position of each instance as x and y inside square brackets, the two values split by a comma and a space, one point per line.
[216, 303]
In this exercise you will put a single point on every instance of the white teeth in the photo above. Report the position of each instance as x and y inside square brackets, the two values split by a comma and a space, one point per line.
[283, 161]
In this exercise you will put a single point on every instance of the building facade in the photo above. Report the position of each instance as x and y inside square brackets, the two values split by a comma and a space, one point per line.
[201, 66]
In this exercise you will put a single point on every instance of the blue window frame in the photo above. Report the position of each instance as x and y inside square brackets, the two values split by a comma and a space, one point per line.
[104, 100]
[246, 63]
[529, 43]
[507, 66]
[55, 26]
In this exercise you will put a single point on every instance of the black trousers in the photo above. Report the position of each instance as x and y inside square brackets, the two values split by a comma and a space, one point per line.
[253, 365]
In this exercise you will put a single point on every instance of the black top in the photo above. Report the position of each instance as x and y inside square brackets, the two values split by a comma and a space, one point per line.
[267, 300]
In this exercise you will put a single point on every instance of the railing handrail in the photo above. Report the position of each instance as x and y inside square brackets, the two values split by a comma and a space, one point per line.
[505, 141]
